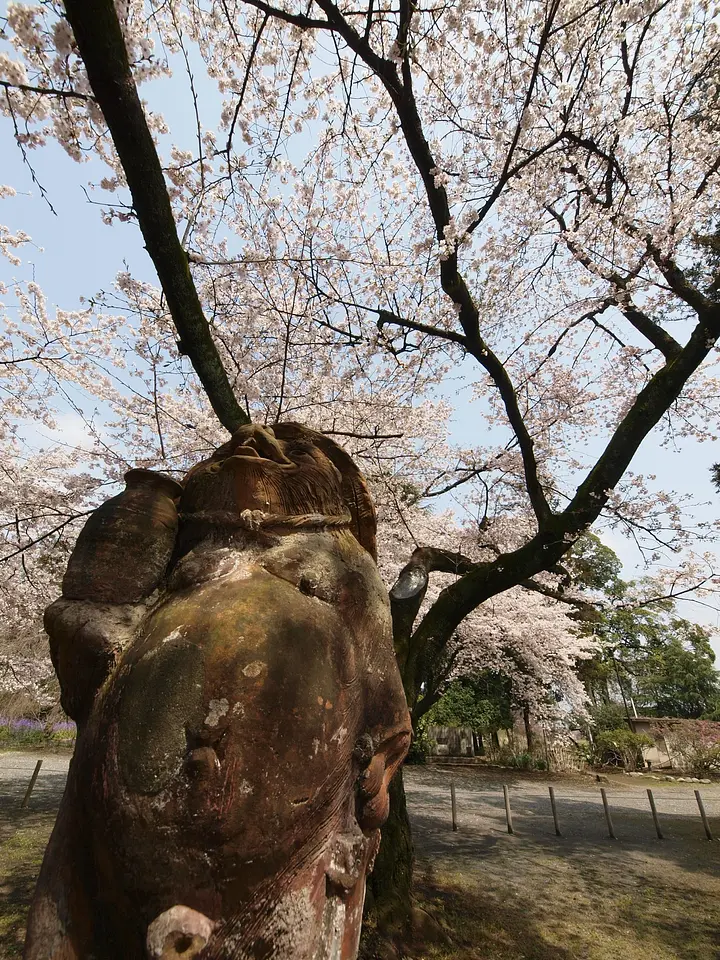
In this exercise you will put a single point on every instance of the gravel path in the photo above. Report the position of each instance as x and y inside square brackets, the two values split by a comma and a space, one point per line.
[581, 896]
[16, 769]
[531, 896]
[481, 810]
[480, 803]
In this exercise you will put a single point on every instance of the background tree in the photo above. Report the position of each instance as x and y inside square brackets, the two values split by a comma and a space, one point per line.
[661, 662]
[649, 657]
[481, 702]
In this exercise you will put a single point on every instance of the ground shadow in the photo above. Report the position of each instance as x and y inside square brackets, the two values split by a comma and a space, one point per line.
[636, 898]
[481, 814]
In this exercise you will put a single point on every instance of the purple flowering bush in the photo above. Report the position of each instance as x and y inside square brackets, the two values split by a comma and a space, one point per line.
[22, 731]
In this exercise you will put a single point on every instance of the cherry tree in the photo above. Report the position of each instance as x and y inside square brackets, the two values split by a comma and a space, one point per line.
[393, 189]
[530, 634]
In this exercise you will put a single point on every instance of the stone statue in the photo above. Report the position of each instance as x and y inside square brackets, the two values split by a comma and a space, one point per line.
[225, 647]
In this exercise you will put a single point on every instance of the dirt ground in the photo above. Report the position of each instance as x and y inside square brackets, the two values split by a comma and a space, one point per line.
[582, 896]
[531, 896]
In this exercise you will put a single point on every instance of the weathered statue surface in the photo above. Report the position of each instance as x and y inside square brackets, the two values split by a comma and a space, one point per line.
[225, 647]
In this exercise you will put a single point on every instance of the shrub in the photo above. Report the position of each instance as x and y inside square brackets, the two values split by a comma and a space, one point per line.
[608, 717]
[507, 757]
[620, 747]
[523, 761]
[23, 732]
[420, 746]
[705, 762]
[586, 752]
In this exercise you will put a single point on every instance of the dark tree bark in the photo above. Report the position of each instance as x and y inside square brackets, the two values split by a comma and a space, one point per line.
[102, 48]
[390, 883]
[528, 728]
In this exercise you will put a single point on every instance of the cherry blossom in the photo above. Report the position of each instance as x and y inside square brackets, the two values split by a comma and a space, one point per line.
[543, 223]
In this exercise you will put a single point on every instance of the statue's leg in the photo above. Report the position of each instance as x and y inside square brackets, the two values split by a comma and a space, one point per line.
[60, 922]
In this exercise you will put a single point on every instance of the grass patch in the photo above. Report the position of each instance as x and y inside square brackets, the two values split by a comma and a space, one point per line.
[560, 920]
[22, 845]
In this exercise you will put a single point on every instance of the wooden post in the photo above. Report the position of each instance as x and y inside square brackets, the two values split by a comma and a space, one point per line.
[701, 806]
[508, 814]
[611, 831]
[654, 814]
[453, 804]
[29, 790]
[554, 812]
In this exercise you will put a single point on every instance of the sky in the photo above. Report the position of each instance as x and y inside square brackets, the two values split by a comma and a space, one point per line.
[684, 468]
[75, 254]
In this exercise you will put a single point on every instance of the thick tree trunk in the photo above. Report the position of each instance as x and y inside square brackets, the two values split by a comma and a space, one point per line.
[102, 47]
[390, 884]
[528, 728]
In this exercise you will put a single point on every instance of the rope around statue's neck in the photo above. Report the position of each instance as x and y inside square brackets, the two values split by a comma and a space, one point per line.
[257, 520]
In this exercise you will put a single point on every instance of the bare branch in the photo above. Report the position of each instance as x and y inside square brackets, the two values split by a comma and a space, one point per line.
[48, 91]
[298, 19]
[44, 536]
[586, 611]
[363, 436]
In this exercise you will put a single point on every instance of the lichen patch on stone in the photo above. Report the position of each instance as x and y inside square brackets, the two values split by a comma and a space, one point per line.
[254, 669]
[218, 709]
[177, 634]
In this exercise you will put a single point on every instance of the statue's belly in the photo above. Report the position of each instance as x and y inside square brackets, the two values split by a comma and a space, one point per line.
[226, 728]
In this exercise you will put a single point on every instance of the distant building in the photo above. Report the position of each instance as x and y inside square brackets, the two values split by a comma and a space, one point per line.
[674, 739]
[450, 741]
[658, 756]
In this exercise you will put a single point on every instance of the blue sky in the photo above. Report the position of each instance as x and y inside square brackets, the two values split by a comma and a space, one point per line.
[80, 256]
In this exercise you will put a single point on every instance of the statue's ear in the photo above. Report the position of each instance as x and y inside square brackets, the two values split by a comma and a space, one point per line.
[354, 489]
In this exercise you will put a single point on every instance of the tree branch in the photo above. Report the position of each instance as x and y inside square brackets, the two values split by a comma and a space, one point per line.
[586, 611]
[362, 436]
[652, 331]
[102, 48]
[659, 338]
[453, 284]
[47, 91]
[44, 536]
[385, 318]
[409, 590]
[297, 19]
